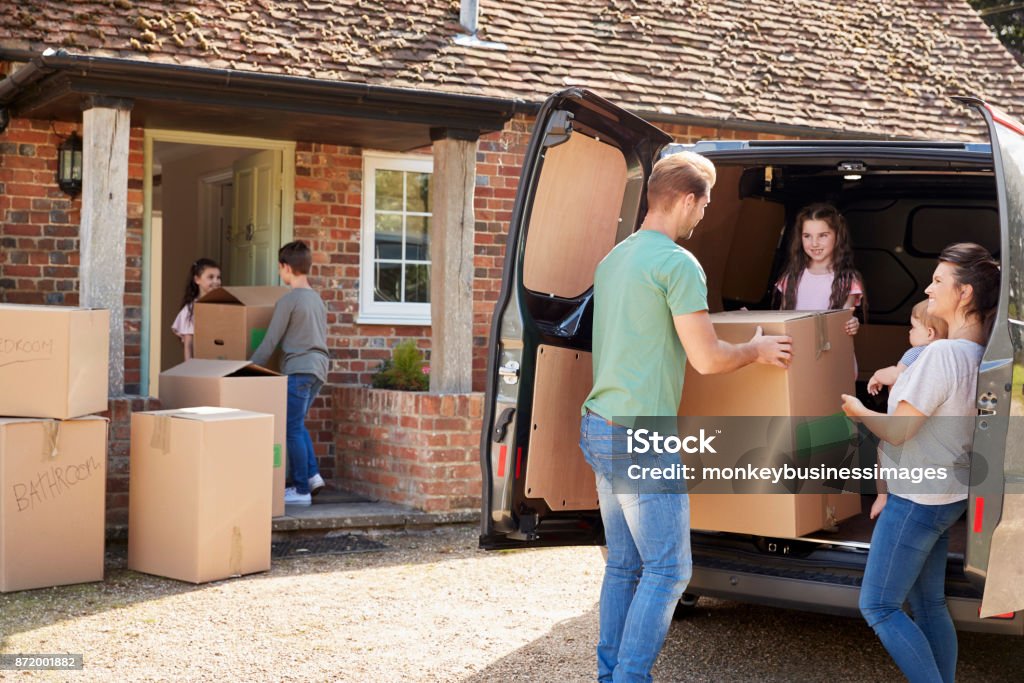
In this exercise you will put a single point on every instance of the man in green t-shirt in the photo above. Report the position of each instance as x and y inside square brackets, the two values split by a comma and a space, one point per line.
[650, 316]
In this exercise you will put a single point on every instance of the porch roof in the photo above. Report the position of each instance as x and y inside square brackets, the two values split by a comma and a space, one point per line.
[54, 84]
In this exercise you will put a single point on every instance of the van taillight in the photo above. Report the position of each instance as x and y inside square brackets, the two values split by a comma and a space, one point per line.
[1007, 615]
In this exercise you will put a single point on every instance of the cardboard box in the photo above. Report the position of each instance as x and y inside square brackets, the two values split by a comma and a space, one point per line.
[53, 478]
[233, 384]
[231, 322]
[56, 357]
[199, 493]
[822, 368]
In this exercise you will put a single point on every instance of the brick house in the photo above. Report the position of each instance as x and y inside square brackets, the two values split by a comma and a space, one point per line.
[223, 128]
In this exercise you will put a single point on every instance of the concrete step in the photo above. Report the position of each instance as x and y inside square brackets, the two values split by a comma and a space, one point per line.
[334, 509]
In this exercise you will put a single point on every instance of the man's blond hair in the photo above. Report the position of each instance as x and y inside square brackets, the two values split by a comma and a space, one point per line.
[677, 176]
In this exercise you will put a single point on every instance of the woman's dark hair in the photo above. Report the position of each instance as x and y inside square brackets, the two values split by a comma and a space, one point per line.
[191, 288]
[842, 258]
[973, 265]
[297, 255]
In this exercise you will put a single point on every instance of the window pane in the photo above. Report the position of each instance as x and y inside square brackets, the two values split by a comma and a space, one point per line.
[388, 236]
[417, 238]
[388, 190]
[387, 282]
[417, 193]
[417, 284]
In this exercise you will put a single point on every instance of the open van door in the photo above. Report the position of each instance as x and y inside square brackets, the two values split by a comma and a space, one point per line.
[581, 191]
[995, 529]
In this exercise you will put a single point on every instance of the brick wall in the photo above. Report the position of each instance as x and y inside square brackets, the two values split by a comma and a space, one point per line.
[39, 241]
[410, 448]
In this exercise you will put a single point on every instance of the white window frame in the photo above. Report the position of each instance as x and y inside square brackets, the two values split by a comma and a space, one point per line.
[385, 312]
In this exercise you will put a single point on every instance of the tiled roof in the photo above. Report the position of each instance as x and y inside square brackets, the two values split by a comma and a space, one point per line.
[881, 67]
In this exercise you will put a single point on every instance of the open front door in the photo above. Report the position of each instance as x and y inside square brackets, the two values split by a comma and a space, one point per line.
[995, 544]
[580, 192]
[255, 231]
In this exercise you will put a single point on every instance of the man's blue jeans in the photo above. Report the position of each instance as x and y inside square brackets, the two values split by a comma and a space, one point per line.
[907, 562]
[649, 562]
[302, 390]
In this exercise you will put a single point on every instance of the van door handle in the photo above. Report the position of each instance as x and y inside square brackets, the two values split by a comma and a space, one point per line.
[509, 372]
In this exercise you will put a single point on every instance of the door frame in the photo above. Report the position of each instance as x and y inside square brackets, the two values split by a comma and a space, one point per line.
[152, 269]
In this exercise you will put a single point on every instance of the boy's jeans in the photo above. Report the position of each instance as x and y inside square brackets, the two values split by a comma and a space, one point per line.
[302, 390]
[907, 562]
[649, 562]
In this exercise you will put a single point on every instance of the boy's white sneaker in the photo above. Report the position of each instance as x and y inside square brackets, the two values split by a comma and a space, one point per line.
[293, 497]
[316, 484]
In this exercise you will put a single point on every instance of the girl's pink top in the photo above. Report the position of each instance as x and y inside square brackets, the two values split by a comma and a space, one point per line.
[183, 323]
[814, 291]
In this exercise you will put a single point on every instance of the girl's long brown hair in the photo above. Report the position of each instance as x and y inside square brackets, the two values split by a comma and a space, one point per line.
[842, 258]
[191, 288]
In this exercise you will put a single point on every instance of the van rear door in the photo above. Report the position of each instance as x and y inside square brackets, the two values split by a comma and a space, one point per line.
[995, 540]
[580, 192]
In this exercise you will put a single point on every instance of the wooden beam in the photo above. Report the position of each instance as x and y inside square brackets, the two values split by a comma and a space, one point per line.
[104, 224]
[451, 256]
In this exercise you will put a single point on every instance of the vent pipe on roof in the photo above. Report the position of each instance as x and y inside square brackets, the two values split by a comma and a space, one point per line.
[469, 19]
[469, 13]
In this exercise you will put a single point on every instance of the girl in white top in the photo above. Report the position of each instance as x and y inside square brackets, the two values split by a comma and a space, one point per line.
[203, 277]
[819, 273]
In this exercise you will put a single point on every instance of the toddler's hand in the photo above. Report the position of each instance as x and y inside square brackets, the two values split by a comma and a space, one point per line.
[874, 385]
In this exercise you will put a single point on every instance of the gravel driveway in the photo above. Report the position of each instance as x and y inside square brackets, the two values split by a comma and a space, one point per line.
[430, 607]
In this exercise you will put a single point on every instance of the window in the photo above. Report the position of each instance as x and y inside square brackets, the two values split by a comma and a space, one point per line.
[395, 257]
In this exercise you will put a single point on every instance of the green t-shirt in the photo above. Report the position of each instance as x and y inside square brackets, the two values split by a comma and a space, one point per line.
[638, 361]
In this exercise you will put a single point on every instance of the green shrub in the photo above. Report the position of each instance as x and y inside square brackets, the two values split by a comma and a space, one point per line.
[405, 371]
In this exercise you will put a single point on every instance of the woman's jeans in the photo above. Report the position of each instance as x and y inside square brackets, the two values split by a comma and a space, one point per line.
[649, 563]
[302, 390]
[907, 562]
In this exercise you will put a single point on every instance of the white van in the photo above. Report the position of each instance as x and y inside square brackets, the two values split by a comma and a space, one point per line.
[582, 191]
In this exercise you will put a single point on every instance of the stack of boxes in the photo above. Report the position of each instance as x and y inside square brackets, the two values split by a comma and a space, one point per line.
[207, 473]
[201, 480]
[53, 453]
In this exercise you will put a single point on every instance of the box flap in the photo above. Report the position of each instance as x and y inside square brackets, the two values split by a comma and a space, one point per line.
[15, 420]
[51, 309]
[754, 317]
[202, 367]
[207, 414]
[244, 296]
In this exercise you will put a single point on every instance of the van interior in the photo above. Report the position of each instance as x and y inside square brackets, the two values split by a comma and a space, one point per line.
[902, 210]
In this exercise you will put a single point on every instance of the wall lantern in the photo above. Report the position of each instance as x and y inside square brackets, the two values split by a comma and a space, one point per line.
[69, 165]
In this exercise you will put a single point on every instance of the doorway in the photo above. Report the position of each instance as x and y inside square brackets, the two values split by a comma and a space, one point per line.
[223, 198]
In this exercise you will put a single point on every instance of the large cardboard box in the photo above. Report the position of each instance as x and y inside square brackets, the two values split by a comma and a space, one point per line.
[53, 478]
[53, 361]
[822, 368]
[233, 384]
[231, 322]
[199, 493]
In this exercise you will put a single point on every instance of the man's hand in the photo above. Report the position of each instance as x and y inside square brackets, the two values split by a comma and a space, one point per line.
[772, 350]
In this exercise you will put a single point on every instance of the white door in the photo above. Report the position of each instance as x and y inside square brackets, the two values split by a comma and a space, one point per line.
[255, 230]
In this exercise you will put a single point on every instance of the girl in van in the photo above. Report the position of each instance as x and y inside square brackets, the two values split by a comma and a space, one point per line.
[910, 542]
[819, 273]
[203, 277]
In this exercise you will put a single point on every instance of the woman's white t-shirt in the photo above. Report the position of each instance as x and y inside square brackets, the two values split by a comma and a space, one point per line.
[941, 384]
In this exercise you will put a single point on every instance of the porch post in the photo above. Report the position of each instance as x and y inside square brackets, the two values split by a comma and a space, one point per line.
[451, 256]
[102, 233]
